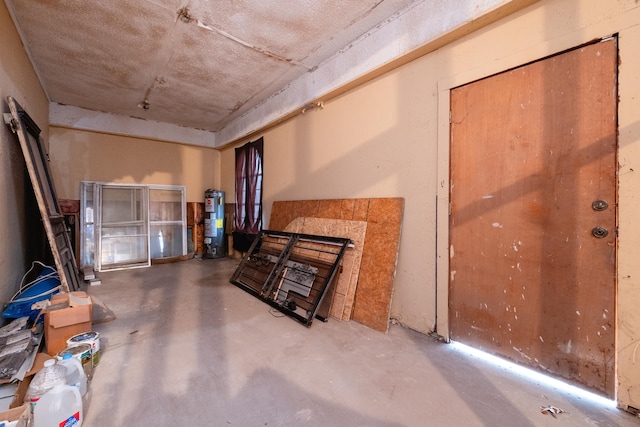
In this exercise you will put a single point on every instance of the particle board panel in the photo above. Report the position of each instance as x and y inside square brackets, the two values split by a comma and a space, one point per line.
[280, 216]
[329, 209]
[345, 286]
[379, 257]
[386, 213]
[282, 213]
[338, 308]
[360, 209]
[347, 207]
[373, 295]
[308, 208]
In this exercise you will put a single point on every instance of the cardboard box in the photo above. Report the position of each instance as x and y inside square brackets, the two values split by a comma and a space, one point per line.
[68, 315]
[21, 393]
[16, 417]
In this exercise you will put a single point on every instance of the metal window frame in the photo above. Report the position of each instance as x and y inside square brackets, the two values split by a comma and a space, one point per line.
[183, 218]
[97, 202]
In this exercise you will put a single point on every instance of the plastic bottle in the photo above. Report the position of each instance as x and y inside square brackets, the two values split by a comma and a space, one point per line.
[75, 373]
[60, 406]
[44, 380]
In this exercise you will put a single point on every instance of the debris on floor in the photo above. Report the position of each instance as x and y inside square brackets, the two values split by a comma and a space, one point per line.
[554, 411]
[88, 273]
[100, 312]
[47, 361]
[16, 344]
[89, 276]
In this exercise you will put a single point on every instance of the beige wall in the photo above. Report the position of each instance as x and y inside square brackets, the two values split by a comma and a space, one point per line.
[389, 138]
[78, 155]
[17, 79]
[368, 143]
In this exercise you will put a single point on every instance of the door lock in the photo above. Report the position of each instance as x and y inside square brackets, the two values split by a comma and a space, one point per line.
[599, 205]
[600, 232]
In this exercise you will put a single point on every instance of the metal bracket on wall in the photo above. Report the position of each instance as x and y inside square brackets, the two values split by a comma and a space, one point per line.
[292, 272]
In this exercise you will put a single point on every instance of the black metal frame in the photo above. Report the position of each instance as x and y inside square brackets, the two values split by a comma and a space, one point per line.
[273, 253]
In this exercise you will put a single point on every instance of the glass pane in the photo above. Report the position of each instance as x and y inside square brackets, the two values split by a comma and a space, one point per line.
[121, 204]
[128, 230]
[166, 240]
[165, 205]
[123, 250]
[88, 204]
[123, 232]
[87, 218]
[89, 249]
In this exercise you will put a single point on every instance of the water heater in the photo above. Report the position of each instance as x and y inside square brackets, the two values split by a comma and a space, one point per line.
[213, 224]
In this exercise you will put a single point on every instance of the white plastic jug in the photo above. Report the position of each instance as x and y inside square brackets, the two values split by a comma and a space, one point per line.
[48, 377]
[75, 373]
[59, 407]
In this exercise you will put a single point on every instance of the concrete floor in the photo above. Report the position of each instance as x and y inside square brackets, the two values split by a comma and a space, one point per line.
[187, 348]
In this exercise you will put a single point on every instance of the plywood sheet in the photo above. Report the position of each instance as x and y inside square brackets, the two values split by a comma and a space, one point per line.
[379, 258]
[345, 288]
[383, 216]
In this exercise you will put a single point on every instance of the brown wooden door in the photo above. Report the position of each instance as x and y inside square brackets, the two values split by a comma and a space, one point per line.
[533, 174]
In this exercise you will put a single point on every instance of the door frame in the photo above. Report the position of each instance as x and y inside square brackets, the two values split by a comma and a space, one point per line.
[443, 201]
[628, 270]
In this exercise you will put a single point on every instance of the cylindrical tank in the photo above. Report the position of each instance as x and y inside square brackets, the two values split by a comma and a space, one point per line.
[213, 224]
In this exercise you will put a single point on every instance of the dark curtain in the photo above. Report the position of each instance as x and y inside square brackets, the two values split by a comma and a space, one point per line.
[248, 215]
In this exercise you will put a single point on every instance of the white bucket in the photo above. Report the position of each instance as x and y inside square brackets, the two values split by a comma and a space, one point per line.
[82, 352]
[92, 338]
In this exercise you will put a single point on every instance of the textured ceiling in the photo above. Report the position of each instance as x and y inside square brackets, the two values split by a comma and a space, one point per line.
[193, 63]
